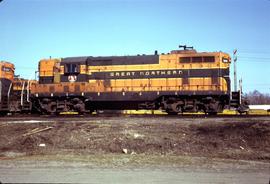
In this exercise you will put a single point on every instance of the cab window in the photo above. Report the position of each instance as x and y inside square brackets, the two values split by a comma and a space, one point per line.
[71, 68]
[6, 69]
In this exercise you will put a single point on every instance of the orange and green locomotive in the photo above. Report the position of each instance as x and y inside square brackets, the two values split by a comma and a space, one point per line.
[14, 91]
[180, 81]
[6, 79]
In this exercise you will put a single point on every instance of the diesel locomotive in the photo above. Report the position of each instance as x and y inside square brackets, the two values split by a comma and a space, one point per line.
[14, 91]
[180, 81]
[176, 82]
[6, 78]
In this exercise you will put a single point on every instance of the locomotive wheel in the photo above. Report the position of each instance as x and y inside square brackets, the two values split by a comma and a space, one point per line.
[79, 106]
[48, 107]
[81, 109]
[174, 109]
[214, 107]
[51, 108]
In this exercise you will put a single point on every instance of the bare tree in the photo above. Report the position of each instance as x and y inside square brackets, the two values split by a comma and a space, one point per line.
[257, 98]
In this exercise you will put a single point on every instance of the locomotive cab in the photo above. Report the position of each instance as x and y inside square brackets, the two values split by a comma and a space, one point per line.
[71, 72]
[74, 69]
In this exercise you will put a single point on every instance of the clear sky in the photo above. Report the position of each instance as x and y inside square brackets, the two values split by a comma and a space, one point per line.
[35, 29]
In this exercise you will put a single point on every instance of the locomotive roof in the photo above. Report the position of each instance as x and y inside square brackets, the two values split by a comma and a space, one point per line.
[6, 63]
[113, 60]
[74, 59]
[127, 60]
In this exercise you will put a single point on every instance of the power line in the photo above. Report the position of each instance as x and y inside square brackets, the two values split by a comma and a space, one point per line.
[253, 85]
[19, 67]
[254, 52]
[254, 59]
[263, 58]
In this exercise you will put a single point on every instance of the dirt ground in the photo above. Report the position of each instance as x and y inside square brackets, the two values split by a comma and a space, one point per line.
[226, 138]
[135, 149]
[134, 169]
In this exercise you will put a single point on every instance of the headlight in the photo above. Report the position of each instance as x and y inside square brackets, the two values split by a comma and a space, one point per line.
[225, 60]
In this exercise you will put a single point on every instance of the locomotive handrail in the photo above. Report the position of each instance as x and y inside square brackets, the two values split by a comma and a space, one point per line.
[9, 89]
[28, 91]
[22, 93]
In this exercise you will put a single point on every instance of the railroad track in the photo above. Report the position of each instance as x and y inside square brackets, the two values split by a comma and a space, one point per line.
[27, 117]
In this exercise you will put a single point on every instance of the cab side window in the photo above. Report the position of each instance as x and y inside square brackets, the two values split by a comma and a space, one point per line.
[6, 69]
[72, 68]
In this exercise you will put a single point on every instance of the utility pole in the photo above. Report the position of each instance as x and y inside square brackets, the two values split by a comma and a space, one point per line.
[240, 89]
[235, 76]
